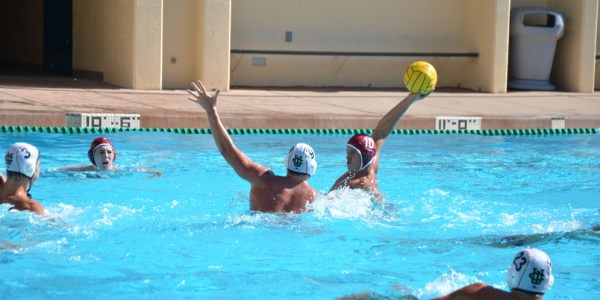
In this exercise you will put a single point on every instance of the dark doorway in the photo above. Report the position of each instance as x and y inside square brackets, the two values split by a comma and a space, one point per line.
[58, 37]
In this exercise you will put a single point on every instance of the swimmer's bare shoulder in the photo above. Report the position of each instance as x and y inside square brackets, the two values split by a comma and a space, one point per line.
[478, 290]
[21, 202]
[266, 179]
[268, 174]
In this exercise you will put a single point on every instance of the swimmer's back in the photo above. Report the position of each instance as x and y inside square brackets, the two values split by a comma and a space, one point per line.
[281, 194]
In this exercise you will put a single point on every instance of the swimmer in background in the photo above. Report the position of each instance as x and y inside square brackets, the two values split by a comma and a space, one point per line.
[102, 154]
[528, 278]
[362, 151]
[268, 192]
[22, 170]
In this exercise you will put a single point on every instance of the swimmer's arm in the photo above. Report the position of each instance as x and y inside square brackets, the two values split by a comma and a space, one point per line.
[341, 182]
[80, 168]
[387, 124]
[242, 164]
[2, 179]
[28, 204]
[155, 172]
[389, 121]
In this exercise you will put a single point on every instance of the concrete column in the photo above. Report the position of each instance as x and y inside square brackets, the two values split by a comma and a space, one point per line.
[597, 72]
[574, 61]
[490, 70]
[133, 43]
[147, 44]
[213, 43]
[179, 43]
[88, 38]
[118, 42]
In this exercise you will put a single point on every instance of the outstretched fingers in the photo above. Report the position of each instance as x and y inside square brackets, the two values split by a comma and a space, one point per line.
[200, 90]
[199, 94]
[196, 92]
[193, 93]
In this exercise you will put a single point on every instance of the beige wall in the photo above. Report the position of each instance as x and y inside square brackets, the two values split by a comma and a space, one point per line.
[132, 41]
[118, 42]
[147, 44]
[530, 3]
[574, 61]
[88, 35]
[197, 35]
[22, 33]
[179, 42]
[488, 72]
[382, 26]
[213, 43]
[345, 25]
[597, 63]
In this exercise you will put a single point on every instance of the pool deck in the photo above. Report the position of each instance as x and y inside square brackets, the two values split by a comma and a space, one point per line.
[26, 101]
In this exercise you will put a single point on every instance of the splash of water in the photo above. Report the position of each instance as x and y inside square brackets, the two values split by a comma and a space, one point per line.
[343, 204]
[445, 284]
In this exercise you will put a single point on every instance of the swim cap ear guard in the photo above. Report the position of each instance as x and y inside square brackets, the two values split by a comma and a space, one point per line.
[22, 158]
[301, 159]
[365, 145]
[98, 142]
[531, 271]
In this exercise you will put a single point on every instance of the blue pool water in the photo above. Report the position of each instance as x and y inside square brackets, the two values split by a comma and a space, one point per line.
[458, 208]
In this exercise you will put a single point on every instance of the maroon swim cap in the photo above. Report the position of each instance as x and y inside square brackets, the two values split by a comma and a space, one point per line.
[366, 146]
[101, 141]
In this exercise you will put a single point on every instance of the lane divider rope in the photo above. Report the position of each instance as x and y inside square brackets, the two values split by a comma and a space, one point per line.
[242, 131]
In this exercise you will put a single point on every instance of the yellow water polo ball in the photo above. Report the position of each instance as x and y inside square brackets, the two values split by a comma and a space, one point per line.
[420, 76]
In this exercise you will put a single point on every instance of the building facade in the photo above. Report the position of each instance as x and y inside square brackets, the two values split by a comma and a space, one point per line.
[166, 44]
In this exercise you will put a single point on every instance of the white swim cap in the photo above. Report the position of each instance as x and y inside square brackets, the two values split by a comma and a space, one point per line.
[531, 271]
[301, 159]
[22, 158]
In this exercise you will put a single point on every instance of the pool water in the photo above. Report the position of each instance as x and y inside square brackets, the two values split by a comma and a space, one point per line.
[458, 208]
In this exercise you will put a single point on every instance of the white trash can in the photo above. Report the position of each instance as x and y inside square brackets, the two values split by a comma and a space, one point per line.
[533, 36]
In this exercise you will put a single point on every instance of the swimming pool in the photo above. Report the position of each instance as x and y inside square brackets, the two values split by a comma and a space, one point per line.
[458, 208]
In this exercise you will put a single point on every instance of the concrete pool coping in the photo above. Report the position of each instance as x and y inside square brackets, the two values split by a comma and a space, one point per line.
[46, 101]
